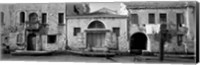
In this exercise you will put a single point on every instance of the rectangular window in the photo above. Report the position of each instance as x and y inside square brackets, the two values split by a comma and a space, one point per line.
[116, 30]
[134, 18]
[19, 38]
[51, 38]
[163, 17]
[2, 18]
[44, 18]
[61, 18]
[76, 31]
[180, 19]
[151, 18]
[22, 17]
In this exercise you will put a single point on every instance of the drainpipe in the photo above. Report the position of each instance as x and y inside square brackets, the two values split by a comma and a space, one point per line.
[128, 29]
[128, 25]
[25, 35]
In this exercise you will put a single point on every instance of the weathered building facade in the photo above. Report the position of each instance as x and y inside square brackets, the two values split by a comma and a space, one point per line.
[97, 30]
[145, 18]
[57, 26]
[34, 27]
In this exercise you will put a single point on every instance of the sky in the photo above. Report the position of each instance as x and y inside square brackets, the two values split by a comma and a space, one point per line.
[96, 6]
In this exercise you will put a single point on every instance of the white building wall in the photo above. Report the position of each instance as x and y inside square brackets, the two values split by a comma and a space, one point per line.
[109, 24]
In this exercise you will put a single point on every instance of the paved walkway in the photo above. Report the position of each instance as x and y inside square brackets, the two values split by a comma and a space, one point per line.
[78, 58]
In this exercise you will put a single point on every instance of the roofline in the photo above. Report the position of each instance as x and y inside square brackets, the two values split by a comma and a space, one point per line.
[183, 4]
[156, 7]
[74, 17]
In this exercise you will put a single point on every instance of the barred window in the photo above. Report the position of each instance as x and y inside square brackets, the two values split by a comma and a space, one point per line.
[151, 18]
[163, 17]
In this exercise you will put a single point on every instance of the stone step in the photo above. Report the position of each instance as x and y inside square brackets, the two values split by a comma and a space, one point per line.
[24, 52]
[94, 53]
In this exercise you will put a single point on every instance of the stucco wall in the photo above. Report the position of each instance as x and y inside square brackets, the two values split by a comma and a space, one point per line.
[52, 11]
[152, 44]
[109, 24]
[12, 18]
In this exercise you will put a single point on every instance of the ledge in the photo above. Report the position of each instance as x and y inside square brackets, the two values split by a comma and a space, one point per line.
[97, 30]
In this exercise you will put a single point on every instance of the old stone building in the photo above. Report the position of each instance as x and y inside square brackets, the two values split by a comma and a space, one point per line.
[63, 26]
[144, 25]
[33, 27]
[101, 29]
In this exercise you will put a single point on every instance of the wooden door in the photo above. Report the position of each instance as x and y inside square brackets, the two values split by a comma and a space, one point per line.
[31, 42]
[95, 39]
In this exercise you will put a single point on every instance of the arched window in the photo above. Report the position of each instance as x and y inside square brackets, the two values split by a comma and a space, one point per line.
[22, 17]
[96, 24]
[33, 17]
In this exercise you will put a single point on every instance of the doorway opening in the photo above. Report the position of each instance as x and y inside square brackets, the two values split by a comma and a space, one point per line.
[96, 35]
[138, 42]
[31, 42]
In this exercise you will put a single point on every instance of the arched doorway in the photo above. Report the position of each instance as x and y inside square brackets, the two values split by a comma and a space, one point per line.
[31, 41]
[31, 30]
[138, 42]
[96, 35]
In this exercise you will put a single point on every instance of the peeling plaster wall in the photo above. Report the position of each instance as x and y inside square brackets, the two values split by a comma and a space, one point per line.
[52, 11]
[153, 45]
[13, 27]
[75, 41]
[15, 18]
[6, 29]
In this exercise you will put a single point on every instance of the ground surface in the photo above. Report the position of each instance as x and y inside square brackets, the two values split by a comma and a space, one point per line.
[79, 58]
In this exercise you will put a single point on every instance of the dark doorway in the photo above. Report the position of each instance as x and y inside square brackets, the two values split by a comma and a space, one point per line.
[31, 41]
[138, 42]
[96, 39]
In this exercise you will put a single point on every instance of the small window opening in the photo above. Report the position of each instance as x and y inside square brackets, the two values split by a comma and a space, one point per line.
[51, 39]
[76, 31]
